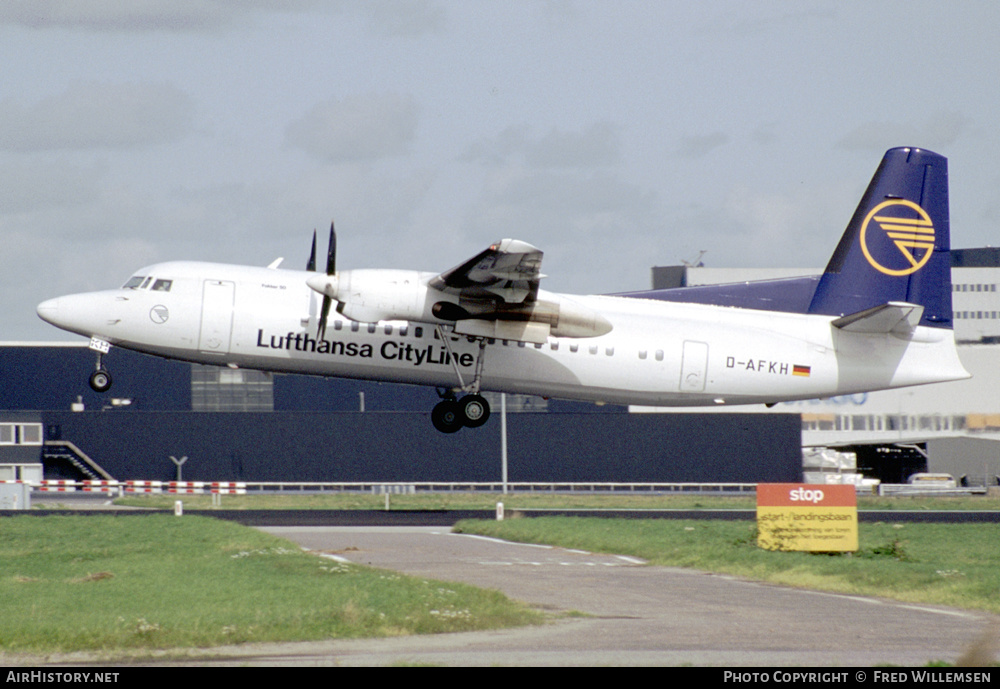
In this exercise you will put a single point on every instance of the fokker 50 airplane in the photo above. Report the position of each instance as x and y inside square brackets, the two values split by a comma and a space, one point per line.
[879, 317]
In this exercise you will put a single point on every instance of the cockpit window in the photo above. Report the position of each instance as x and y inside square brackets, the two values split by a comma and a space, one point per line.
[162, 285]
[134, 282]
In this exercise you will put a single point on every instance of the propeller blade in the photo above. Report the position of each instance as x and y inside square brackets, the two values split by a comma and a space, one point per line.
[331, 253]
[311, 266]
[331, 269]
[324, 313]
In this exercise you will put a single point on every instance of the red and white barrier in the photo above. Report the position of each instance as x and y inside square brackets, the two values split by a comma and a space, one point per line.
[144, 486]
[186, 487]
[229, 488]
[108, 487]
[53, 486]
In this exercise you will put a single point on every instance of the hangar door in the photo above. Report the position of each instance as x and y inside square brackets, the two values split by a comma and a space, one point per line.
[217, 316]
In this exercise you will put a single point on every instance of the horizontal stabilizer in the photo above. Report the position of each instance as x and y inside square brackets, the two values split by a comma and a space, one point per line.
[897, 317]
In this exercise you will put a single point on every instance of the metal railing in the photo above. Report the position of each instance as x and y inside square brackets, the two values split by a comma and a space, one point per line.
[383, 487]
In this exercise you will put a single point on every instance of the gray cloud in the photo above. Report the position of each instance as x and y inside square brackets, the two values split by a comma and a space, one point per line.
[27, 187]
[584, 222]
[597, 146]
[700, 146]
[96, 115]
[385, 17]
[356, 128]
[942, 129]
[139, 16]
[396, 18]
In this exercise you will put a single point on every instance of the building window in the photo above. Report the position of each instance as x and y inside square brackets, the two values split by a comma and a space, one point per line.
[20, 434]
[223, 389]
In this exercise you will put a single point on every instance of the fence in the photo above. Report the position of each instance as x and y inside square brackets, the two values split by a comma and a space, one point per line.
[263, 487]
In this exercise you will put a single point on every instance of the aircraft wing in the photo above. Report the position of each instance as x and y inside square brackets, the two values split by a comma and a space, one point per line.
[508, 271]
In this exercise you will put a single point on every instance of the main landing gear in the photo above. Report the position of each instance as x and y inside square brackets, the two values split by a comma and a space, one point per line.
[451, 414]
[472, 410]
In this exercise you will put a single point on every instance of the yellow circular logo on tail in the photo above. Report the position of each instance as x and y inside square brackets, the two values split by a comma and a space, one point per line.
[900, 234]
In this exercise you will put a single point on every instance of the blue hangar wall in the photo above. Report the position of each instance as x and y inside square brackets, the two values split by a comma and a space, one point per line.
[315, 432]
[403, 446]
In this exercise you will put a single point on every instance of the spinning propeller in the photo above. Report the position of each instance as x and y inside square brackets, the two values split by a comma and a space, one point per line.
[327, 286]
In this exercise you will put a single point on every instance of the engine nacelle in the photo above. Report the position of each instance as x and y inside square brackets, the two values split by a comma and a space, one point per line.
[369, 296]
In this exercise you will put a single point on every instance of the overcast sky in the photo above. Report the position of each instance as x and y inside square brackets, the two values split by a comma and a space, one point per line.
[614, 136]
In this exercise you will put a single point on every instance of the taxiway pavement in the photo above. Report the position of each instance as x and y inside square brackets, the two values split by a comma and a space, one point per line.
[630, 613]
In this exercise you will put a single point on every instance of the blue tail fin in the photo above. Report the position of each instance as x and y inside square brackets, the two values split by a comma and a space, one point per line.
[896, 247]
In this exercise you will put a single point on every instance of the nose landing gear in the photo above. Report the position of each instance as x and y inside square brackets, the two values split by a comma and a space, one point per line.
[100, 379]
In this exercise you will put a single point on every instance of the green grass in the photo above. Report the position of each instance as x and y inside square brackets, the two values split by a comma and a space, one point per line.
[947, 564]
[157, 581]
[515, 501]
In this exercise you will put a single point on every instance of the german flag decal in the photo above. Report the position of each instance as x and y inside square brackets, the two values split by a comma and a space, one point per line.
[800, 370]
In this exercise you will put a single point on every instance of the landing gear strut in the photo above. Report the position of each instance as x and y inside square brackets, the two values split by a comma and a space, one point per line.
[472, 410]
[100, 379]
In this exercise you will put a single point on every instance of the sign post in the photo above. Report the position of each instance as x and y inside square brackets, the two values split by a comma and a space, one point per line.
[802, 516]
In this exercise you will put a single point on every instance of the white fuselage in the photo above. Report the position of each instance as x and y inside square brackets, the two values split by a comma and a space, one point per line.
[656, 353]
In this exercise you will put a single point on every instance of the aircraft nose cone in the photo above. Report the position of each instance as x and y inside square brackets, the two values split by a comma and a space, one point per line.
[48, 310]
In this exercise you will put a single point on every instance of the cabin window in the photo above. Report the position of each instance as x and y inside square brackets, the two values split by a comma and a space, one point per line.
[610, 351]
[538, 345]
[642, 354]
[659, 355]
[418, 332]
[372, 327]
[355, 327]
[337, 325]
[593, 349]
[404, 330]
[574, 348]
[554, 346]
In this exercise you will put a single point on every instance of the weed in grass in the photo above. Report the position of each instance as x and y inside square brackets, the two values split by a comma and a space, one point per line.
[893, 550]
